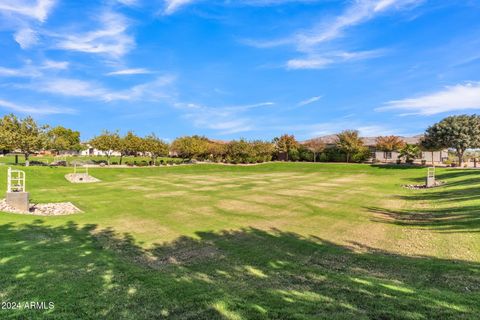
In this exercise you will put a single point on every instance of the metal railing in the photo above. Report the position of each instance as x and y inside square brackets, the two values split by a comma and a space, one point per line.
[16, 181]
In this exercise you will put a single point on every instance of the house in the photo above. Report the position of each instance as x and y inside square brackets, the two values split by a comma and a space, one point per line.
[438, 157]
[91, 151]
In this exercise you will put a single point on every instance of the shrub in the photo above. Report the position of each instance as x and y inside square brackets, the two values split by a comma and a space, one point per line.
[37, 163]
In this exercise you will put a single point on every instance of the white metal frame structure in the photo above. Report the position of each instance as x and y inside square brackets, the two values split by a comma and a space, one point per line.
[84, 167]
[16, 181]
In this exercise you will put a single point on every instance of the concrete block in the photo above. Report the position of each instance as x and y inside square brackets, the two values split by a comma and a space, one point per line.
[18, 200]
[430, 182]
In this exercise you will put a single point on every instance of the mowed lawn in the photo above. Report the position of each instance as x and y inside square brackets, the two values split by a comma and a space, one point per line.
[273, 241]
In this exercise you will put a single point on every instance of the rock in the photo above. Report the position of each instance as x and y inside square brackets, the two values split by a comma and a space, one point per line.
[80, 178]
[43, 209]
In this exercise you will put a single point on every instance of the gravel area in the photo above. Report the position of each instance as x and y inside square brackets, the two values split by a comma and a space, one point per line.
[80, 178]
[423, 186]
[44, 209]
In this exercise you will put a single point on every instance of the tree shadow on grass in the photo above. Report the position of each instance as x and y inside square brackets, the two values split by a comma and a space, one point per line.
[452, 219]
[453, 207]
[245, 274]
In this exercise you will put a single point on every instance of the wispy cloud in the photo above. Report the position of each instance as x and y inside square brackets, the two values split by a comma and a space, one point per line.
[309, 101]
[150, 91]
[359, 12]
[453, 98]
[316, 61]
[309, 42]
[26, 37]
[41, 110]
[226, 120]
[38, 10]
[24, 16]
[111, 38]
[129, 72]
[32, 71]
[173, 5]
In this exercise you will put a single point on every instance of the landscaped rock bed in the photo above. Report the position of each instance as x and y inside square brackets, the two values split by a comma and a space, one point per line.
[80, 178]
[43, 209]
[423, 186]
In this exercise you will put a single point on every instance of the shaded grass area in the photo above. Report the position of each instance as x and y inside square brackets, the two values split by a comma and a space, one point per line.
[243, 274]
[451, 208]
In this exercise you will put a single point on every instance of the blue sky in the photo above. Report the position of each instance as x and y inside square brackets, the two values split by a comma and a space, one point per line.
[230, 69]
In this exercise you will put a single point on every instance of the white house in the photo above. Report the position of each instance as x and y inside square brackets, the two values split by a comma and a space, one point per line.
[90, 151]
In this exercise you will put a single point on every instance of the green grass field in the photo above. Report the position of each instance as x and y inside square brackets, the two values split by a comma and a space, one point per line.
[273, 241]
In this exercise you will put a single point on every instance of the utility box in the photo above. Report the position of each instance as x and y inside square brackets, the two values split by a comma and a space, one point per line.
[18, 200]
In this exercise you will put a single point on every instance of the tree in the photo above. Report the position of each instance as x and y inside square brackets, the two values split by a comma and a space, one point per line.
[430, 145]
[63, 139]
[349, 142]
[190, 147]
[316, 146]
[284, 144]
[216, 151]
[409, 152]
[24, 135]
[9, 135]
[129, 145]
[240, 151]
[389, 143]
[263, 150]
[108, 142]
[456, 132]
[155, 147]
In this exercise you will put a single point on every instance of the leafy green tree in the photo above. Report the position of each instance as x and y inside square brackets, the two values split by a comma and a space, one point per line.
[217, 151]
[9, 135]
[108, 142]
[24, 135]
[456, 132]
[349, 142]
[389, 143]
[240, 151]
[155, 147]
[284, 144]
[63, 139]
[315, 146]
[130, 145]
[409, 152]
[430, 145]
[193, 147]
[263, 150]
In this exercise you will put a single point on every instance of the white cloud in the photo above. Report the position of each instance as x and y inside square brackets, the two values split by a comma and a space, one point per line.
[10, 72]
[128, 2]
[173, 5]
[34, 109]
[227, 120]
[38, 10]
[129, 72]
[309, 63]
[110, 39]
[30, 70]
[452, 98]
[309, 101]
[26, 37]
[60, 65]
[315, 61]
[309, 42]
[361, 11]
[151, 91]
